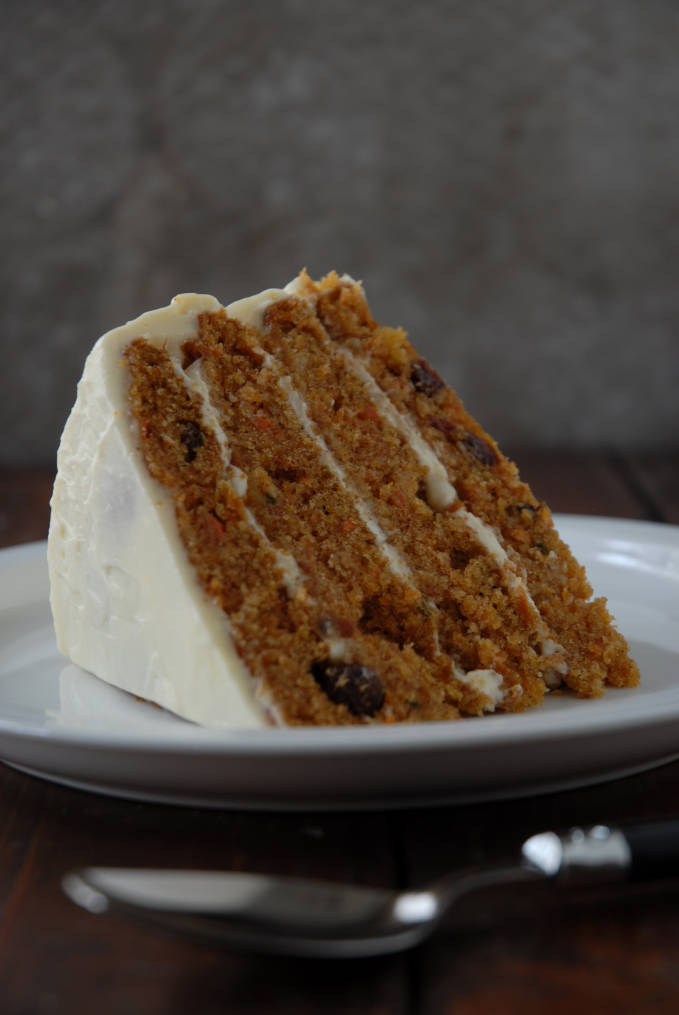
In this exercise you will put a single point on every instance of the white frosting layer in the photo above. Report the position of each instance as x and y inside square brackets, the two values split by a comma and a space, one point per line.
[396, 562]
[126, 604]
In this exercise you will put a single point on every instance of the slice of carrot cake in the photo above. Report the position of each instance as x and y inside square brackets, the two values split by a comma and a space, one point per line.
[278, 512]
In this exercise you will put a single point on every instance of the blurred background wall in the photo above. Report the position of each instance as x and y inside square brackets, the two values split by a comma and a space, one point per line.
[502, 175]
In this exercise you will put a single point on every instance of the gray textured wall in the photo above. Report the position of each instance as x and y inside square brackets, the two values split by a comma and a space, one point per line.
[504, 177]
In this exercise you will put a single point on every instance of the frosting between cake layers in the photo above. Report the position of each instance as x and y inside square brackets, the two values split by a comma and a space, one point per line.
[440, 491]
[395, 560]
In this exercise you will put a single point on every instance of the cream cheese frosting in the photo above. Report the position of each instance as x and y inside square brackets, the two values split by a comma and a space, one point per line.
[126, 605]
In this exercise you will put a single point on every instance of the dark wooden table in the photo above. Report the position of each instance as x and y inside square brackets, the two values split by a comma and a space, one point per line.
[510, 951]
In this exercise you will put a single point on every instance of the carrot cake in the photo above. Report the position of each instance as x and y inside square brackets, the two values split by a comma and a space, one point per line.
[278, 513]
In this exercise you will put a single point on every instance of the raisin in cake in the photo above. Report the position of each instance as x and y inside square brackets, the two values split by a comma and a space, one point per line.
[278, 512]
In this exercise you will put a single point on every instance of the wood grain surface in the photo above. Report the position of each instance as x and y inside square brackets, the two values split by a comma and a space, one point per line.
[510, 951]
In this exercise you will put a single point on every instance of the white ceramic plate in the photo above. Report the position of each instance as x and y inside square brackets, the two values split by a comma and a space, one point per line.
[58, 722]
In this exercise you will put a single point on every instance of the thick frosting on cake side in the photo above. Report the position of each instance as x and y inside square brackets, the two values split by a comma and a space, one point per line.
[125, 601]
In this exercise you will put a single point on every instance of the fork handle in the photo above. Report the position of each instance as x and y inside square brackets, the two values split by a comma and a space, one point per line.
[641, 852]
[654, 850]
